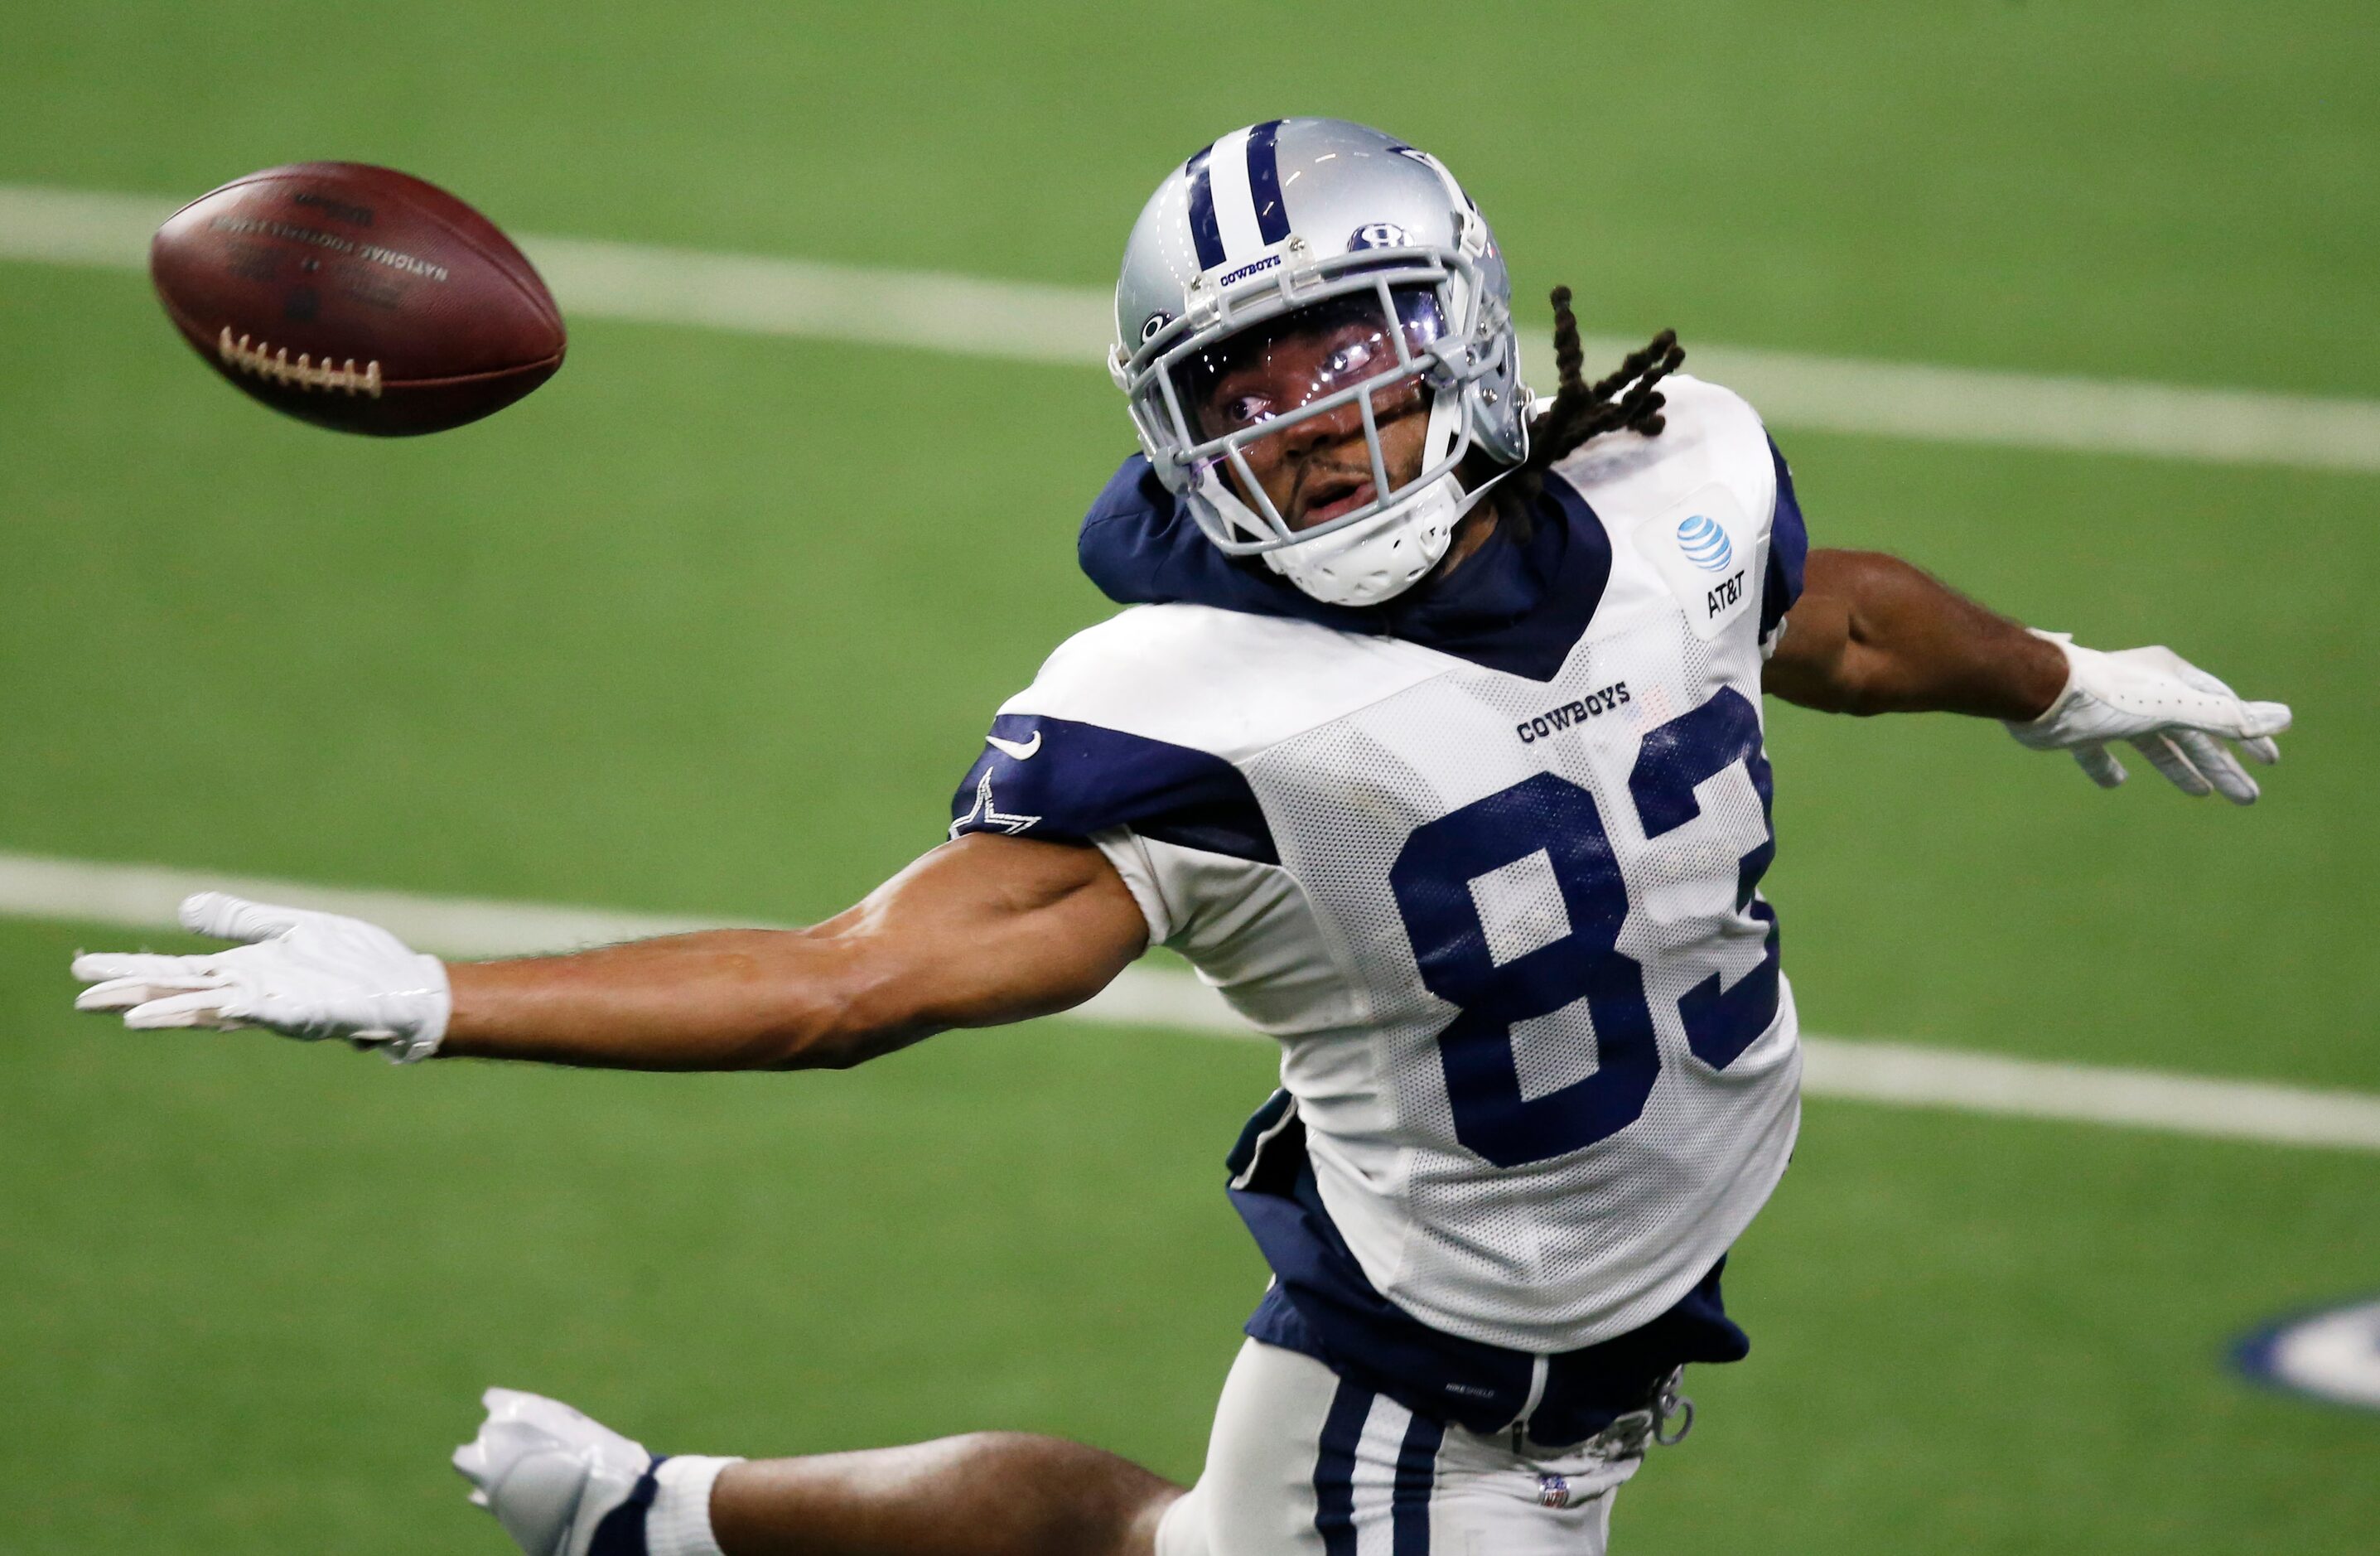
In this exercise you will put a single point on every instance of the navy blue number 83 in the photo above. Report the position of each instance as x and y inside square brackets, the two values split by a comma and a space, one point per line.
[1432, 880]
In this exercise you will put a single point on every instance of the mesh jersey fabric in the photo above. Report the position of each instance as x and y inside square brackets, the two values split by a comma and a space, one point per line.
[1499, 906]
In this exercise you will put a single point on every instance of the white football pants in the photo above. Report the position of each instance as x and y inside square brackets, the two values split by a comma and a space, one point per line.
[1304, 1464]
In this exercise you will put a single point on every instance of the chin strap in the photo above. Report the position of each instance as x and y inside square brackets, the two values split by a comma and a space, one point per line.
[1358, 565]
[1471, 499]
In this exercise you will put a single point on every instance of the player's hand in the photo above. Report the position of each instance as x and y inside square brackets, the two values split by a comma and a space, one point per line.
[2172, 713]
[301, 974]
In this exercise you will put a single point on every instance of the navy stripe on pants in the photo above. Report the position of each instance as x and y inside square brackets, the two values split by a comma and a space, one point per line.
[1416, 1474]
[1334, 1469]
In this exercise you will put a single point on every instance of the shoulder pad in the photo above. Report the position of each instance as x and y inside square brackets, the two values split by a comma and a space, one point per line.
[1710, 490]
[1710, 437]
[1219, 681]
[1143, 721]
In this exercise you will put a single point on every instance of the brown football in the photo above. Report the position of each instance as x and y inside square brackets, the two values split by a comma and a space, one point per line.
[356, 298]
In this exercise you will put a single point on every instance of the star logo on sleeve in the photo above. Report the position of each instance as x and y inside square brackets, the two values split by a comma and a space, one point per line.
[985, 816]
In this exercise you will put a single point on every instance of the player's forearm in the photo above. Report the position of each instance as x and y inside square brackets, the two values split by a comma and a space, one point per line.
[1872, 634]
[719, 1000]
[977, 933]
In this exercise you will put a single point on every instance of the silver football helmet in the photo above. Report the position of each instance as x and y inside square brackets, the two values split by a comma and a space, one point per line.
[1295, 282]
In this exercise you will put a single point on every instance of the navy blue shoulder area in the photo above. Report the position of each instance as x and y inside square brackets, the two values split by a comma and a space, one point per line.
[1789, 550]
[1057, 778]
[1140, 545]
[1518, 604]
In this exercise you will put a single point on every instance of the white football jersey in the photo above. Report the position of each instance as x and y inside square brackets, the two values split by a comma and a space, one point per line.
[1505, 929]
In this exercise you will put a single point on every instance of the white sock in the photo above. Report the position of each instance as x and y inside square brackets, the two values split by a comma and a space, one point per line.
[678, 1523]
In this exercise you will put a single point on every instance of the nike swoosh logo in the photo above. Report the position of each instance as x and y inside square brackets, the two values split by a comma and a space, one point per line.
[1021, 749]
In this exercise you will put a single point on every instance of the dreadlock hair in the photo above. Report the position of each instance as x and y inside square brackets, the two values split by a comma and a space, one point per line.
[1629, 400]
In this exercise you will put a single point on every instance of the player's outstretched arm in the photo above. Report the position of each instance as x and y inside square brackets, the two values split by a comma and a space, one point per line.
[979, 932]
[1871, 634]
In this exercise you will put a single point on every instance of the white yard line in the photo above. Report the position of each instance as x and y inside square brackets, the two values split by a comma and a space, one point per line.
[143, 898]
[757, 295]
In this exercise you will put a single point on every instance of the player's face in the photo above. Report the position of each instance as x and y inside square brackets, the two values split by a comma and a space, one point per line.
[1318, 466]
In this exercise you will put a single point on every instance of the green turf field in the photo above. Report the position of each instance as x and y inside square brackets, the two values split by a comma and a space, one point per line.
[712, 623]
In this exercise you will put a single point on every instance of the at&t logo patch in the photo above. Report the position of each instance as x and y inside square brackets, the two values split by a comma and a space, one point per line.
[1708, 550]
[1704, 544]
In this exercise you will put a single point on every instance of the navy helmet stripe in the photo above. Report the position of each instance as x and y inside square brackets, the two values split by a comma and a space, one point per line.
[1416, 1475]
[1203, 230]
[1334, 1469]
[1263, 182]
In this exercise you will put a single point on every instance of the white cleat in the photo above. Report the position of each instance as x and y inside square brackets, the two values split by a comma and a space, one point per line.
[549, 1473]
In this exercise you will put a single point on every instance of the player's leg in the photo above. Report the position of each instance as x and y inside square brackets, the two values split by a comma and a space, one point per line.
[1301, 1463]
[565, 1485]
[990, 1494]
[1304, 1463]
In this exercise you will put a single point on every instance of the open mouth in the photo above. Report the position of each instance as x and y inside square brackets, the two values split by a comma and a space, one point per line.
[1334, 497]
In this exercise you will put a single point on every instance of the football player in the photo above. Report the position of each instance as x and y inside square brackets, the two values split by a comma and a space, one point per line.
[1432, 737]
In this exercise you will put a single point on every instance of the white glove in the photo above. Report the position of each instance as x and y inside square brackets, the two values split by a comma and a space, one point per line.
[2171, 711]
[304, 975]
[550, 1475]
